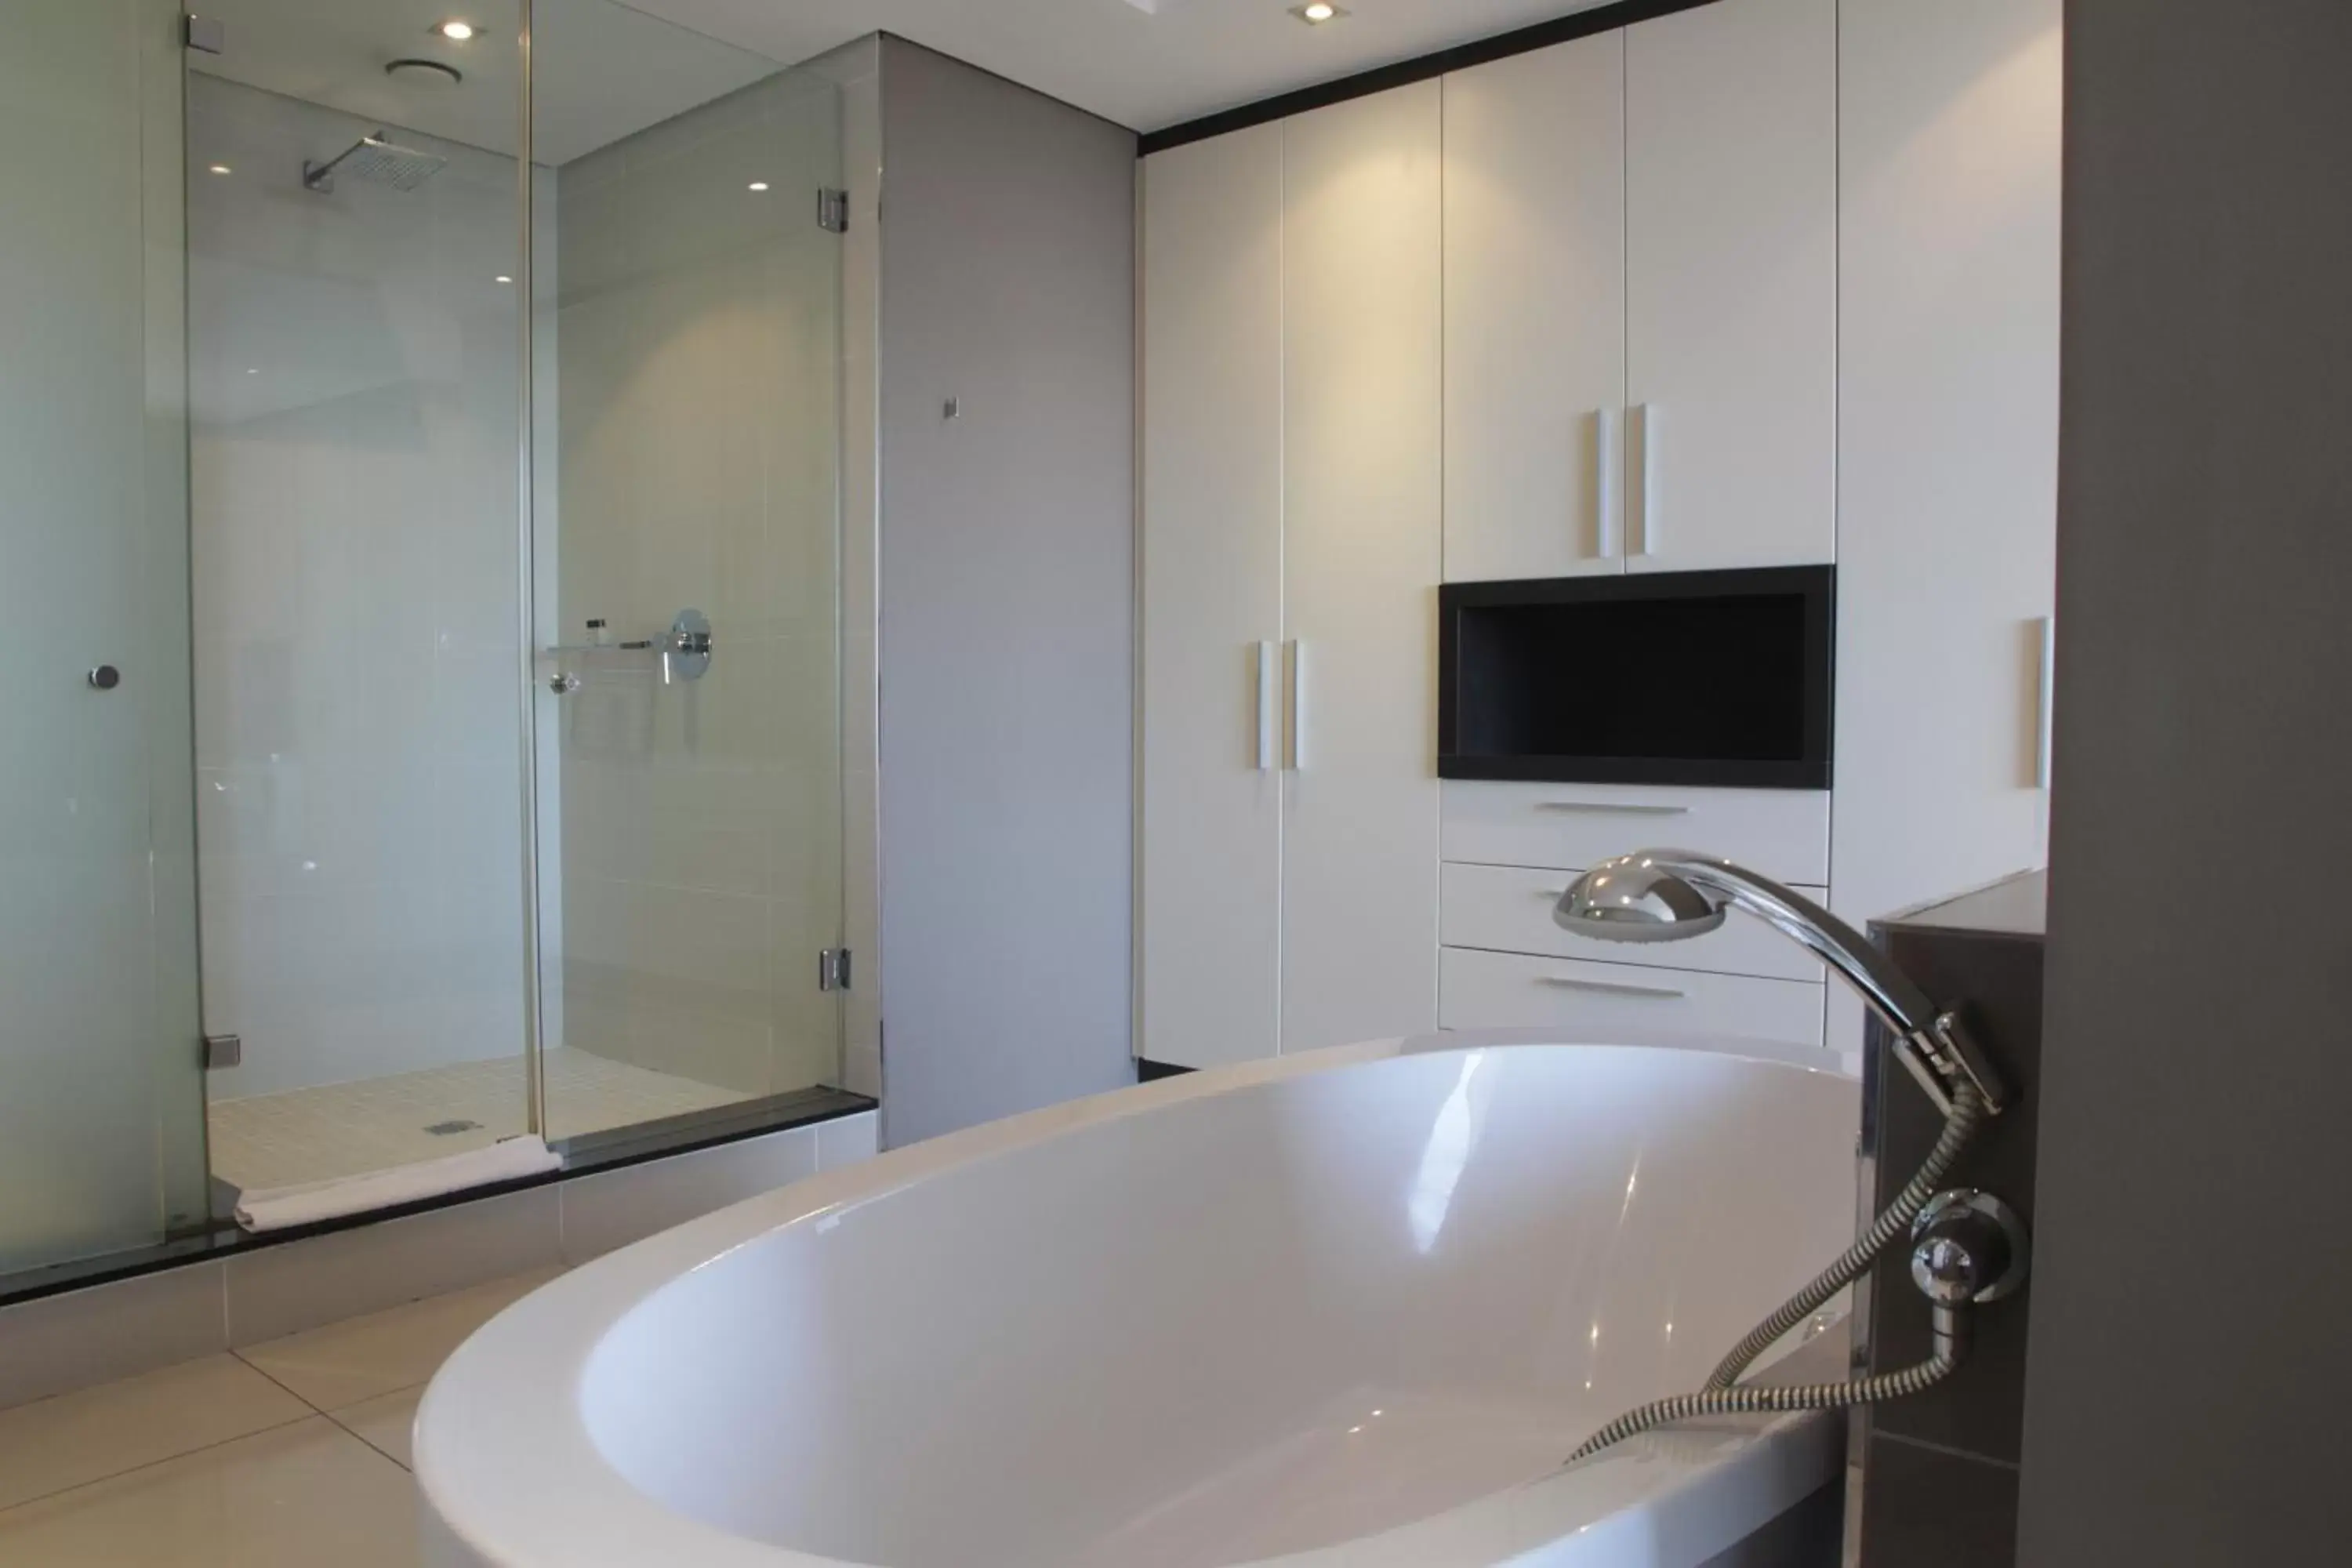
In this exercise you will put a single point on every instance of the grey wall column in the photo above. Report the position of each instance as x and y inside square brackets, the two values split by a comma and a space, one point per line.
[2185, 1387]
[1007, 593]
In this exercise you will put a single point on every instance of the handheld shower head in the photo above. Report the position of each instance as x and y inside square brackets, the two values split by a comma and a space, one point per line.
[1635, 899]
[1667, 894]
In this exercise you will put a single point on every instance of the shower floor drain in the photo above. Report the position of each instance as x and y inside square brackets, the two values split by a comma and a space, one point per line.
[451, 1129]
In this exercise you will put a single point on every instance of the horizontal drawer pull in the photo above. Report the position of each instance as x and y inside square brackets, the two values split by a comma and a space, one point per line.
[1608, 808]
[1654, 993]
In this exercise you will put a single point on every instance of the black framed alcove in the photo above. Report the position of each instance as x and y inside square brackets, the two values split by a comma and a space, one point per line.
[1721, 678]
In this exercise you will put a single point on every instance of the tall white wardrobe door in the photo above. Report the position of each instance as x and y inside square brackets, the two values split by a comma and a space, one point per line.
[1535, 313]
[1211, 568]
[1732, 286]
[1361, 290]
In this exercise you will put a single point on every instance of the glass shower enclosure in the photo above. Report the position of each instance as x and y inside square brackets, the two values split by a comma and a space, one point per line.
[102, 1090]
[422, 606]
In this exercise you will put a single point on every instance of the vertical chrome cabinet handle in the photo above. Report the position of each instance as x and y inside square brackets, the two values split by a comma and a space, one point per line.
[1269, 704]
[1642, 460]
[2048, 699]
[1295, 742]
[1609, 458]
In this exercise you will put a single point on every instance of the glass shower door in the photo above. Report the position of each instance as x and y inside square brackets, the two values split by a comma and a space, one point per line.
[355, 350]
[101, 1100]
[687, 375]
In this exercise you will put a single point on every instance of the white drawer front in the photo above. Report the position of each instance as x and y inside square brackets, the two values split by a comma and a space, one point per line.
[1507, 908]
[1506, 991]
[1784, 834]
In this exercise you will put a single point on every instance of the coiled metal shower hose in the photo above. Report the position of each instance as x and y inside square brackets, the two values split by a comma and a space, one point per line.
[1725, 1396]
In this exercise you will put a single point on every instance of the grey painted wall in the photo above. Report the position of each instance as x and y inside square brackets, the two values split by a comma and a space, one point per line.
[1007, 729]
[2185, 1388]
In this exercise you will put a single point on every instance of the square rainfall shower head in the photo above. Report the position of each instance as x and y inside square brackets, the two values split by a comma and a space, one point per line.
[377, 159]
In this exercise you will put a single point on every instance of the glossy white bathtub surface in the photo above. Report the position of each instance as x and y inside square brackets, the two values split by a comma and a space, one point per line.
[1352, 1307]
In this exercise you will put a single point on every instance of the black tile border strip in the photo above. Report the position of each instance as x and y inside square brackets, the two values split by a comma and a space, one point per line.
[1404, 73]
[681, 1135]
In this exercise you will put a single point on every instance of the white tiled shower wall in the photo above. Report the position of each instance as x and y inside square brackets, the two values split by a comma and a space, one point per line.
[354, 454]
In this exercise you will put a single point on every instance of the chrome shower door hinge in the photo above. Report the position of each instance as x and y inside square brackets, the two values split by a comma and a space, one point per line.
[833, 210]
[832, 969]
[224, 1052]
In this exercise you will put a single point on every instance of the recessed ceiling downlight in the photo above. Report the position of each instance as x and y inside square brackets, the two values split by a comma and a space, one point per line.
[423, 73]
[1318, 12]
[456, 31]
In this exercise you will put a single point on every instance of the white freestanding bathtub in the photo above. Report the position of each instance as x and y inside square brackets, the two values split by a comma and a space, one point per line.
[1349, 1308]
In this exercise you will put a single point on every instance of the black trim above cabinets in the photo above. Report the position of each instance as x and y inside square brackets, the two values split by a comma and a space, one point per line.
[1716, 678]
[1404, 73]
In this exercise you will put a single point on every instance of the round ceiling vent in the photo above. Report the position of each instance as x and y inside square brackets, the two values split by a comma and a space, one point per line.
[423, 73]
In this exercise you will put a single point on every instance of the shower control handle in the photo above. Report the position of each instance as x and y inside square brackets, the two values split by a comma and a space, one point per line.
[1967, 1246]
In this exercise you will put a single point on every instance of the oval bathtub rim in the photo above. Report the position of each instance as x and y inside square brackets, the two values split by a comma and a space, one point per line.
[507, 1473]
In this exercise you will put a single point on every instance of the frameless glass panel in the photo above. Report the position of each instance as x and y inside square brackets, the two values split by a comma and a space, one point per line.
[687, 364]
[355, 343]
[100, 1102]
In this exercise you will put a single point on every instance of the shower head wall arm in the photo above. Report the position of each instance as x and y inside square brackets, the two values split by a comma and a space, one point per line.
[320, 176]
[1933, 1042]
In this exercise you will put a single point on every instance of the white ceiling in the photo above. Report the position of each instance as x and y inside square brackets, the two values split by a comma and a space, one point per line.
[607, 68]
[1144, 63]
[604, 70]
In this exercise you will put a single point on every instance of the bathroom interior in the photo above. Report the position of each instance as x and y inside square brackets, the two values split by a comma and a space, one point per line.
[1161, 782]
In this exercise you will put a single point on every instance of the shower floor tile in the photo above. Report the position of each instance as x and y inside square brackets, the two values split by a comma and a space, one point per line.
[352, 1128]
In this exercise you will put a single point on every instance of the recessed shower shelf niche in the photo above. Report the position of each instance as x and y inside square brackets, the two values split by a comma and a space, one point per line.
[682, 653]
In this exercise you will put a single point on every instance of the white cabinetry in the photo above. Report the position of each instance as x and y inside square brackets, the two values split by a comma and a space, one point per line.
[1511, 850]
[1361, 399]
[1783, 832]
[1762, 282]
[1211, 586]
[1641, 253]
[1519, 991]
[1732, 286]
[1947, 446]
[1535, 313]
[1291, 549]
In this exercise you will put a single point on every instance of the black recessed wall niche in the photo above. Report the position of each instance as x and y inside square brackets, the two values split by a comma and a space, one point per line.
[1720, 678]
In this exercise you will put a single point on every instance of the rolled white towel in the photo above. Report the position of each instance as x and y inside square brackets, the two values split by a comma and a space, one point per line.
[508, 1159]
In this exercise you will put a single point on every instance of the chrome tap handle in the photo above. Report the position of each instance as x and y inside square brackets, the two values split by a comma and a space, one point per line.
[1967, 1246]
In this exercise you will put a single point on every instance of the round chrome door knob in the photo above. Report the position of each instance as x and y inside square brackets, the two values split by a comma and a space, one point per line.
[105, 677]
[564, 685]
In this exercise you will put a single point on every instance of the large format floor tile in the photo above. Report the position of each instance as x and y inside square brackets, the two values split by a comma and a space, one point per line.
[301, 1495]
[365, 1358]
[76, 1438]
[387, 1424]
